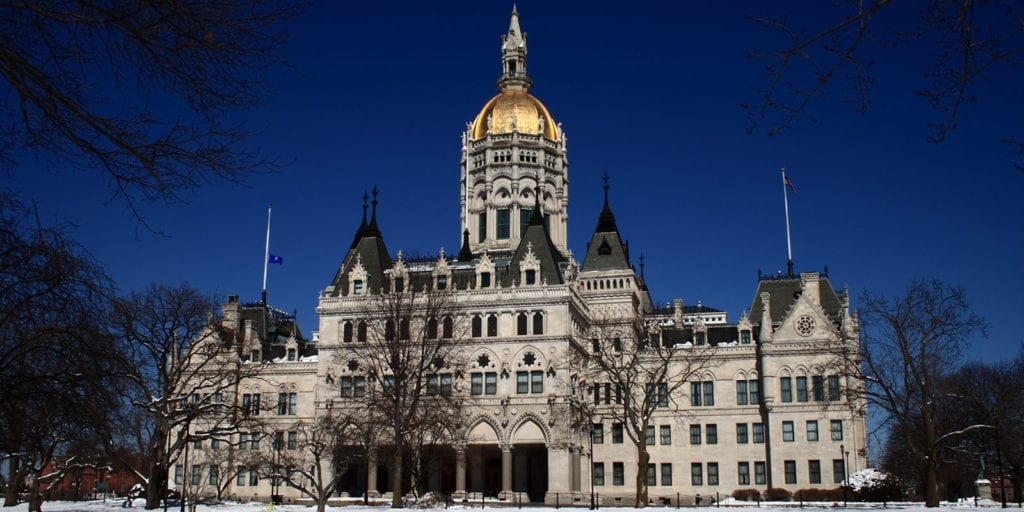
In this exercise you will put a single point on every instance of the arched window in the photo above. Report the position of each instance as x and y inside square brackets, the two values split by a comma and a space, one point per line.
[403, 329]
[477, 327]
[447, 328]
[346, 332]
[432, 329]
[361, 332]
[538, 323]
[389, 330]
[492, 325]
[521, 324]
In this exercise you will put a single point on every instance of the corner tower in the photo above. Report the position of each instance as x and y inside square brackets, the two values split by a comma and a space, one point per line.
[510, 150]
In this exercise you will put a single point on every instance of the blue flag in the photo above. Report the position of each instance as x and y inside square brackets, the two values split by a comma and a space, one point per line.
[276, 259]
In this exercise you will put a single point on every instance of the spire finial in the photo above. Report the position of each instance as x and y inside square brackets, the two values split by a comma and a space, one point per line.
[605, 187]
[375, 192]
[513, 57]
[642, 258]
[365, 206]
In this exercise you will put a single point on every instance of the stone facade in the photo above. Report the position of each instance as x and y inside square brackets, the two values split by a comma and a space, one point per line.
[774, 407]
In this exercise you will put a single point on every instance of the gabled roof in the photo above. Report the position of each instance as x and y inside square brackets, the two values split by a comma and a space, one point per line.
[783, 293]
[538, 240]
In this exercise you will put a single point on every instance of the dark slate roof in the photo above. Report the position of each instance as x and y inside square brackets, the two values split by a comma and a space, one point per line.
[538, 239]
[716, 335]
[368, 245]
[784, 292]
[606, 250]
[688, 309]
[274, 327]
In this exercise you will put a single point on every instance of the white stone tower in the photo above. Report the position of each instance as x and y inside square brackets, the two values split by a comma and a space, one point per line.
[510, 151]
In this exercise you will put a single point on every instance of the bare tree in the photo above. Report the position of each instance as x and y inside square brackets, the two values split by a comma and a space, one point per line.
[410, 360]
[966, 40]
[911, 343]
[54, 346]
[142, 92]
[634, 374]
[307, 455]
[182, 369]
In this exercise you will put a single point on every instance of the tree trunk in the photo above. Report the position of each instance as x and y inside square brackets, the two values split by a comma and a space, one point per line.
[35, 498]
[396, 479]
[931, 483]
[931, 486]
[16, 477]
[321, 504]
[642, 459]
[156, 486]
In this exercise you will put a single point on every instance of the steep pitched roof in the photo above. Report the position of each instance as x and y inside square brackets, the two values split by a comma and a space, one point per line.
[783, 292]
[367, 249]
[538, 240]
[606, 250]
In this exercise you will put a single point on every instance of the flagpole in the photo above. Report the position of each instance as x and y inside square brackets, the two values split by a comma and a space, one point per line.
[266, 257]
[789, 241]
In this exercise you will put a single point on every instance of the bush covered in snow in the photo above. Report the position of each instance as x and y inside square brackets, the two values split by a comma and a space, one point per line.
[876, 485]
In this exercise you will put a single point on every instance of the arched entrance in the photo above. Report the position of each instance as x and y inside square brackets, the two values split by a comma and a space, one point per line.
[483, 460]
[530, 461]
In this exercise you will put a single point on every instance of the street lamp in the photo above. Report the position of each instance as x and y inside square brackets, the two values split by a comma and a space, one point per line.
[846, 460]
[846, 473]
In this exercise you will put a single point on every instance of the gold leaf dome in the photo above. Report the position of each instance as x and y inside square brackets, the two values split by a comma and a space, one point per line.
[515, 109]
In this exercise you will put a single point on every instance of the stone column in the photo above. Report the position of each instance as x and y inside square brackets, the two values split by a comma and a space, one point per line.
[559, 474]
[371, 475]
[460, 473]
[506, 471]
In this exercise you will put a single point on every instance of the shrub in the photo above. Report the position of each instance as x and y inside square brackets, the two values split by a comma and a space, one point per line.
[777, 494]
[816, 494]
[746, 494]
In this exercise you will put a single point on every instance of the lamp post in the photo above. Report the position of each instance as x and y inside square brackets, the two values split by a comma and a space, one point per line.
[999, 459]
[846, 471]
[846, 475]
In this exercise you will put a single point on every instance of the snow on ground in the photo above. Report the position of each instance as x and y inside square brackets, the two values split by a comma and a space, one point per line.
[116, 505]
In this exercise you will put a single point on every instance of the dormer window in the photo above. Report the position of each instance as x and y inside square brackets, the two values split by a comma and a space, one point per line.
[531, 277]
[745, 337]
[399, 285]
[485, 280]
[357, 287]
[291, 354]
[699, 339]
[442, 282]
[255, 356]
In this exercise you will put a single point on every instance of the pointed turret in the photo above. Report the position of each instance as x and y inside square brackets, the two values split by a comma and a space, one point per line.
[513, 58]
[606, 250]
[368, 254]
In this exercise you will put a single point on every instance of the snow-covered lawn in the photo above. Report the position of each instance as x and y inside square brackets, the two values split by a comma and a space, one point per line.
[116, 506]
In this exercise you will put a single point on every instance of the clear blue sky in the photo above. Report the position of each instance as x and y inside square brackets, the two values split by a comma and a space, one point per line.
[647, 91]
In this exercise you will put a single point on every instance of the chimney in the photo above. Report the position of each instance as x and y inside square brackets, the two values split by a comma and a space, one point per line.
[811, 284]
[677, 310]
[766, 317]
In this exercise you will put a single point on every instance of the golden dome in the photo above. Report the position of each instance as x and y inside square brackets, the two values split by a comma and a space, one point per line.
[518, 109]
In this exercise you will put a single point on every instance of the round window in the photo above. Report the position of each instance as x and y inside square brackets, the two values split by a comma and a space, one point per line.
[804, 325]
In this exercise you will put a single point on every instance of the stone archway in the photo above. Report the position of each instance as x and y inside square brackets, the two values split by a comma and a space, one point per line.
[530, 460]
[482, 461]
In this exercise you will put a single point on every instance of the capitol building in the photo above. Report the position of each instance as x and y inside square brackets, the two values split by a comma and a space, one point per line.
[755, 401]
